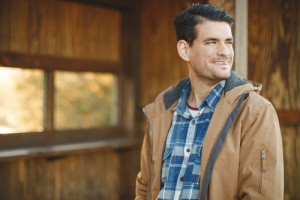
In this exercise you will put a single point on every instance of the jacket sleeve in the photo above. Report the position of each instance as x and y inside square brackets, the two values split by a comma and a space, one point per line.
[261, 172]
[143, 176]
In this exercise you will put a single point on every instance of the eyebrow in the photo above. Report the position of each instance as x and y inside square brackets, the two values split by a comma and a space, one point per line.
[215, 39]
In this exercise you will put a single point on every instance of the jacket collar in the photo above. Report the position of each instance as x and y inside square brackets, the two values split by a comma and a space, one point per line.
[173, 94]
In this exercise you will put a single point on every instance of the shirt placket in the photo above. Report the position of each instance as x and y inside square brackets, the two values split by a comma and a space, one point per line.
[187, 150]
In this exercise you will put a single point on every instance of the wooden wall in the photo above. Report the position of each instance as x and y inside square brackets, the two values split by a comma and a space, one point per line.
[274, 49]
[67, 29]
[82, 176]
[160, 63]
[60, 28]
[107, 174]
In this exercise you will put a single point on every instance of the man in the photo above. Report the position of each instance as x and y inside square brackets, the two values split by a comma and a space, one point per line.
[212, 136]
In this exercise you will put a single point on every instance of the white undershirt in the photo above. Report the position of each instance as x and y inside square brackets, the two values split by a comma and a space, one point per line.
[194, 113]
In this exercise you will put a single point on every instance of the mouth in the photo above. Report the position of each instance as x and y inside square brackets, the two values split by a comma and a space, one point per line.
[222, 62]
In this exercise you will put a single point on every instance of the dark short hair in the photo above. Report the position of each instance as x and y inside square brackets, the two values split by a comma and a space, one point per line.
[194, 14]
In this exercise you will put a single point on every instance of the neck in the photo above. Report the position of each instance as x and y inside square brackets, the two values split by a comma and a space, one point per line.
[200, 89]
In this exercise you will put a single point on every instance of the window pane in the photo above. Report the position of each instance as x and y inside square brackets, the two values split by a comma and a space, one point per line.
[21, 100]
[85, 100]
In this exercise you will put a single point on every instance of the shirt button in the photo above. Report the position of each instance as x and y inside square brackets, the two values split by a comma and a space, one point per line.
[193, 122]
[188, 150]
[181, 179]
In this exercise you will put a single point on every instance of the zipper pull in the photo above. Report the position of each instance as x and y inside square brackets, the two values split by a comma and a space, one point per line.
[263, 157]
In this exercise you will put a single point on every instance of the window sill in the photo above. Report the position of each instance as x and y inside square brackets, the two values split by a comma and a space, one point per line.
[61, 150]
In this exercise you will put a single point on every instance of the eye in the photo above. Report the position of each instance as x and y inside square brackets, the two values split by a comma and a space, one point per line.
[229, 42]
[210, 42]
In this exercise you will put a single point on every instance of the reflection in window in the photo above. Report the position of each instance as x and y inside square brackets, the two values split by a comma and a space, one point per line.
[21, 100]
[84, 100]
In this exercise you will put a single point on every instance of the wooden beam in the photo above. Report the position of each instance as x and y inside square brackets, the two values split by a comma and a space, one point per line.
[241, 38]
[57, 63]
[289, 117]
[55, 151]
[115, 4]
[49, 101]
[46, 138]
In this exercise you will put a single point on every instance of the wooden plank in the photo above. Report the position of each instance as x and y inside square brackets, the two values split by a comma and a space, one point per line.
[97, 36]
[87, 175]
[5, 27]
[34, 26]
[291, 147]
[128, 172]
[58, 63]
[289, 117]
[84, 176]
[23, 140]
[115, 4]
[60, 150]
[19, 26]
[274, 42]
[49, 101]
[48, 27]
[160, 64]
[128, 81]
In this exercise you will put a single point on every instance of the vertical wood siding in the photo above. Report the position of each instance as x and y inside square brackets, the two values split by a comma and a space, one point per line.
[88, 176]
[60, 28]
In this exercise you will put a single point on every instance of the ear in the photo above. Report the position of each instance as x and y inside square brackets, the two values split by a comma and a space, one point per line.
[183, 49]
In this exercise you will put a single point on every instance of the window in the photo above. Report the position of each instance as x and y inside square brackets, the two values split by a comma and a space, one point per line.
[85, 100]
[21, 102]
[82, 100]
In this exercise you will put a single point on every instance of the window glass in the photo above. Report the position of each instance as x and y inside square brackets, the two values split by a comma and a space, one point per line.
[84, 100]
[21, 100]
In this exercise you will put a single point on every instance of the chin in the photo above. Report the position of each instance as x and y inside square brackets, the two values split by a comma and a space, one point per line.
[223, 75]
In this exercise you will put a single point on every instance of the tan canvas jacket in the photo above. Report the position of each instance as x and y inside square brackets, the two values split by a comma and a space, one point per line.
[250, 162]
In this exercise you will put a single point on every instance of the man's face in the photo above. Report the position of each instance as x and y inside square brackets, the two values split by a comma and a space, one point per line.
[211, 55]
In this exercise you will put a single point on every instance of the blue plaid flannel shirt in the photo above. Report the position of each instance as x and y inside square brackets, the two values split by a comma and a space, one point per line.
[182, 154]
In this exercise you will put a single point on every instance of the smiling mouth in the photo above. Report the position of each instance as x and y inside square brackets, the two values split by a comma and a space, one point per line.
[221, 60]
[222, 63]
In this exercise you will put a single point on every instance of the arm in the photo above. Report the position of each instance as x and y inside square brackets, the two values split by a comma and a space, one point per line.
[261, 157]
[143, 176]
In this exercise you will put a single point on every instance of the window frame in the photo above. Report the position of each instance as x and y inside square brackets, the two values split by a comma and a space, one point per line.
[50, 64]
[126, 70]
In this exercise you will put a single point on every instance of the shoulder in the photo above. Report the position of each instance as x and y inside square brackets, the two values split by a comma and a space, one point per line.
[258, 103]
[156, 107]
[168, 97]
[258, 110]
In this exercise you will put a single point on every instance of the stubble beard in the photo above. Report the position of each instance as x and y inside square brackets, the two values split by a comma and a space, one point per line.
[211, 78]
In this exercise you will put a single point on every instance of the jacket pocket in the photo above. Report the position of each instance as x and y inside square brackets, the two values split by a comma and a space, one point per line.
[263, 169]
[166, 164]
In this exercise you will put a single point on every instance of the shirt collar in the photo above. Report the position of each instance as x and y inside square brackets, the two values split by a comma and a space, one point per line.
[211, 100]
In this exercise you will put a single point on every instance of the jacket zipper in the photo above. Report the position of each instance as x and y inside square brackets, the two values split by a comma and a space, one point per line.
[264, 166]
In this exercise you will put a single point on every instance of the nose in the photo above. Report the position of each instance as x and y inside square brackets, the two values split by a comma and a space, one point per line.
[224, 49]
